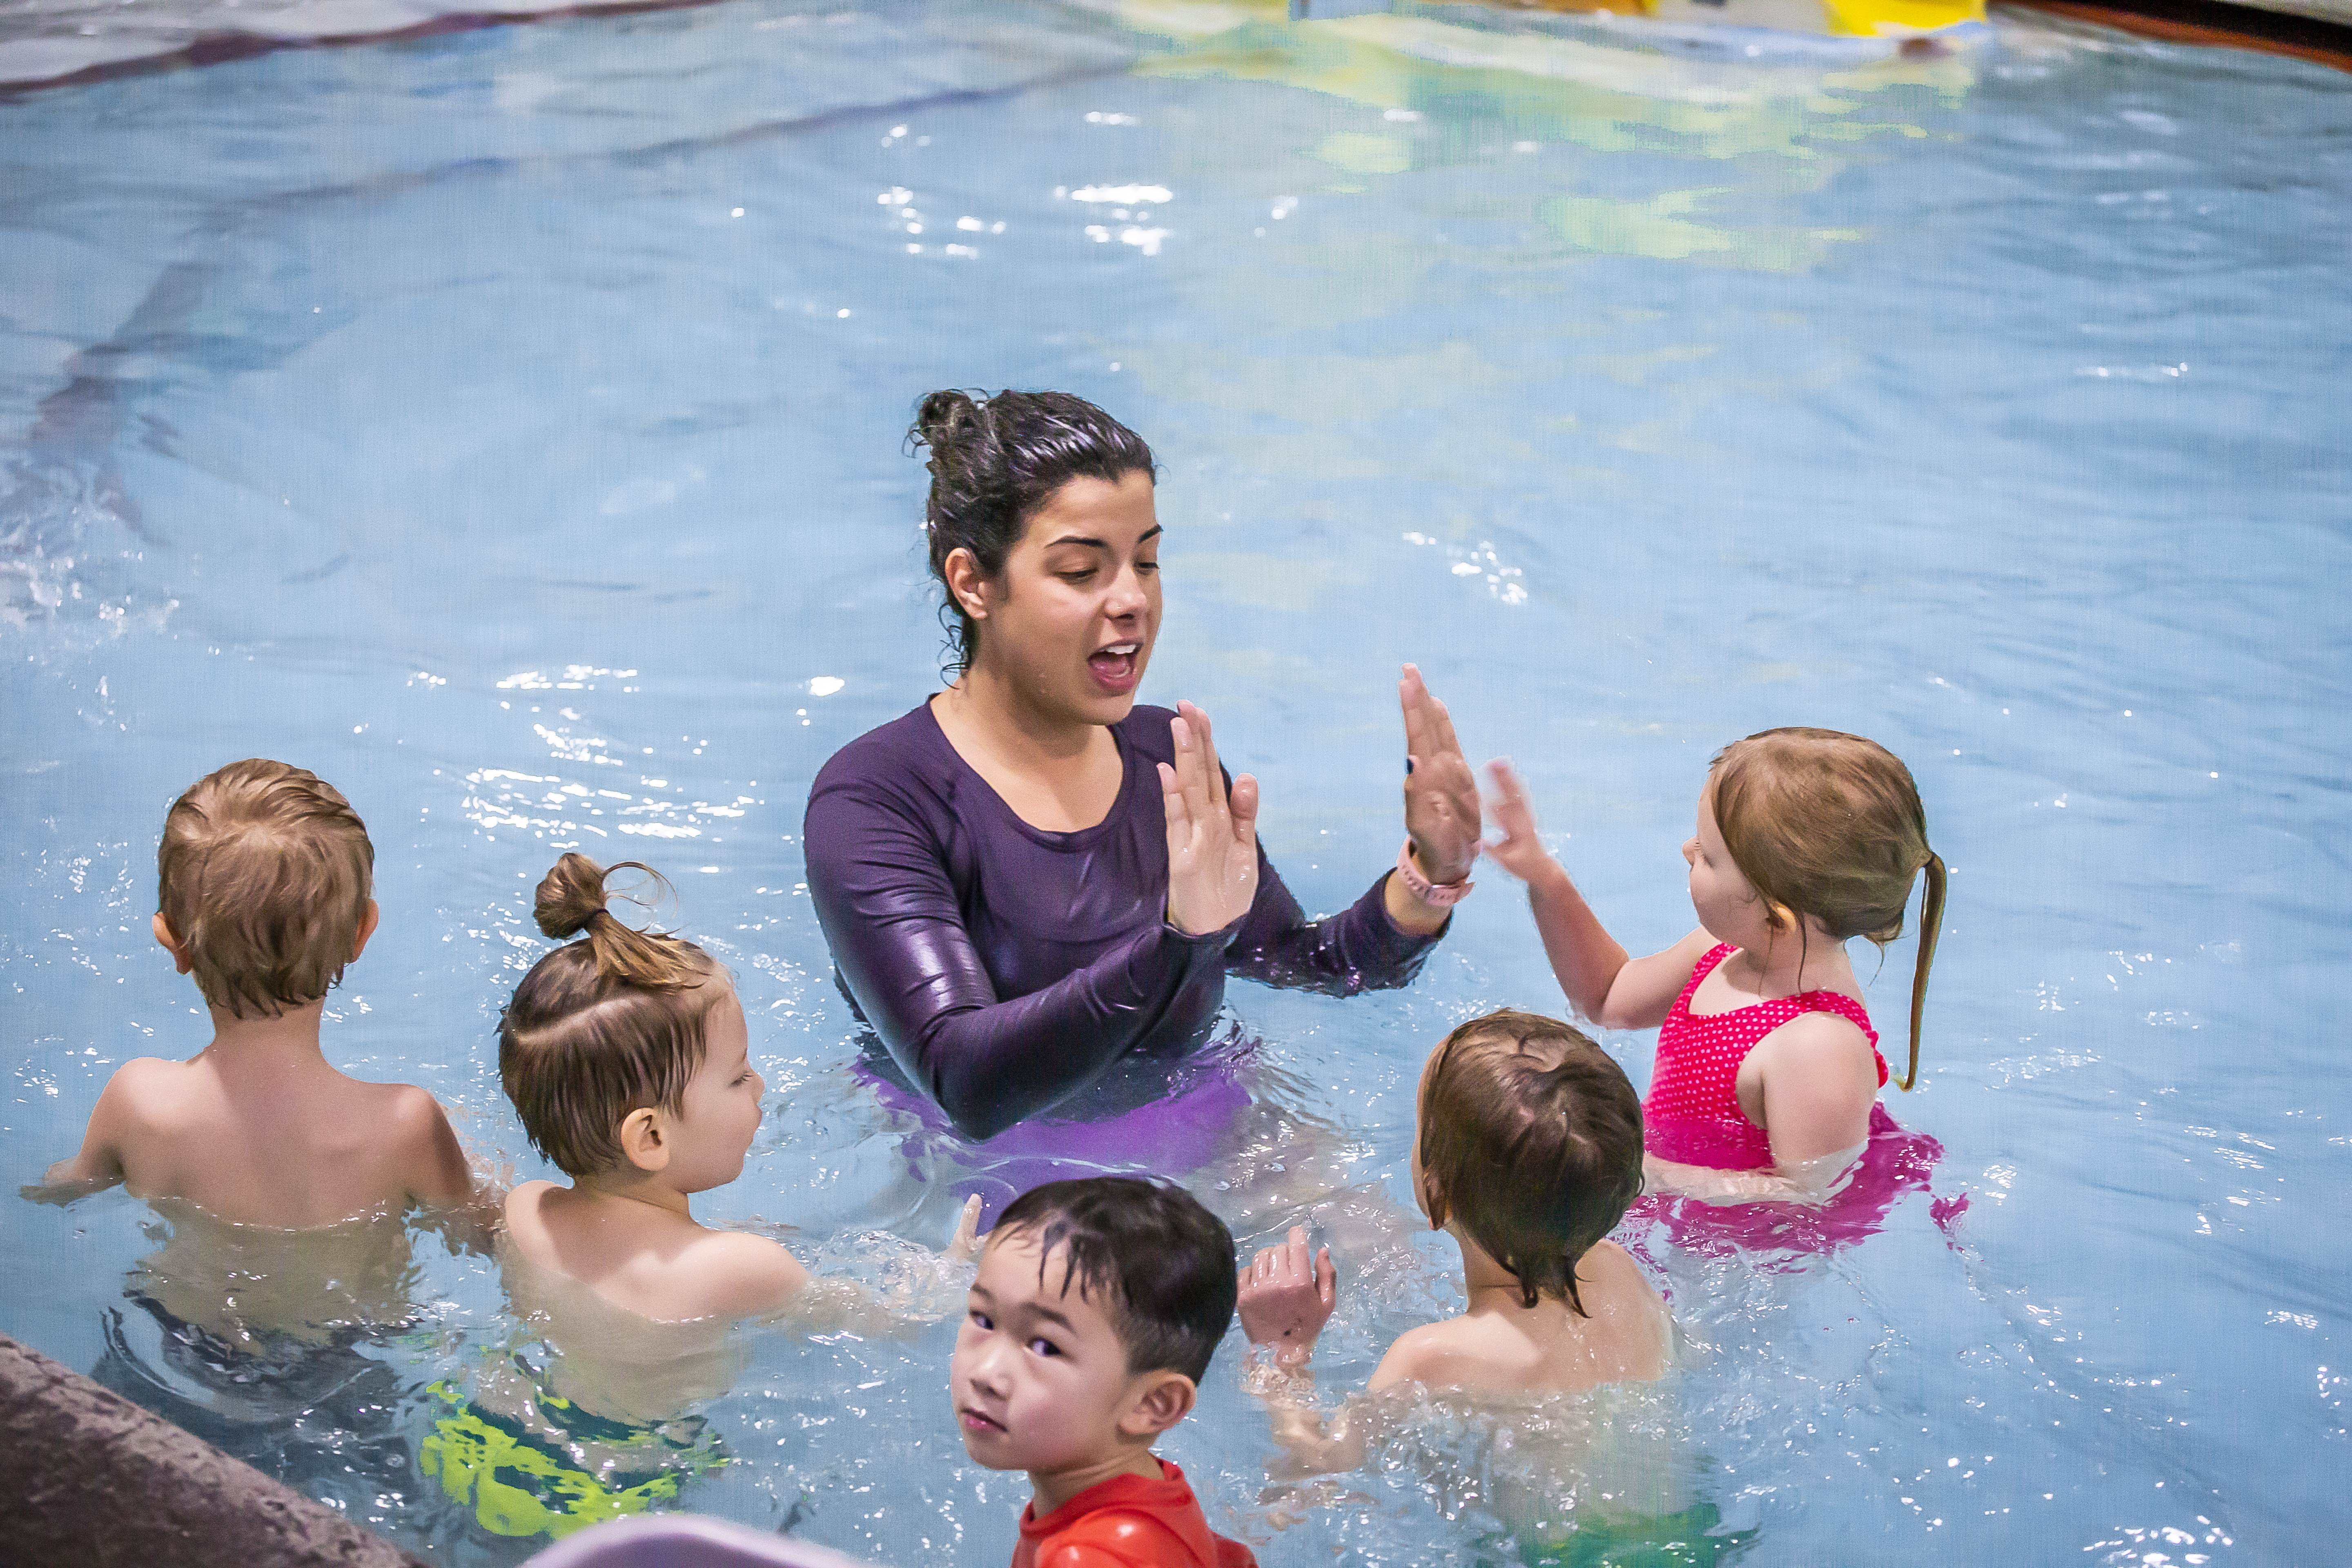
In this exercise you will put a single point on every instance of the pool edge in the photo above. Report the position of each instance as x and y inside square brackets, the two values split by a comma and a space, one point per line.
[2211, 23]
[98, 1479]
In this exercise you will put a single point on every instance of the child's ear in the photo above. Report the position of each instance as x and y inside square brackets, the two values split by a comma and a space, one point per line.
[367, 929]
[1165, 1398]
[1432, 1201]
[172, 945]
[642, 1142]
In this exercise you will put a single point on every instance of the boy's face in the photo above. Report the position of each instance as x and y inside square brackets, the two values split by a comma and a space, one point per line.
[1040, 1379]
[720, 1111]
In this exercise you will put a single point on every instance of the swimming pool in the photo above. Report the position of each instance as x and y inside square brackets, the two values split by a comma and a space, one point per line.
[505, 424]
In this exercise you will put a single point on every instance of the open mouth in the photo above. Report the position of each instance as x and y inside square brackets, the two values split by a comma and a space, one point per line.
[1114, 668]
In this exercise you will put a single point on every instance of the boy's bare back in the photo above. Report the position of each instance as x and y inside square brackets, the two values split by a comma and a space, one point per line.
[267, 1138]
[1501, 1347]
[263, 882]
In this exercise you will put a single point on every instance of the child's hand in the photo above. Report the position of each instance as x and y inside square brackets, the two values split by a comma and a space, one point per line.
[1286, 1299]
[1519, 851]
[966, 1244]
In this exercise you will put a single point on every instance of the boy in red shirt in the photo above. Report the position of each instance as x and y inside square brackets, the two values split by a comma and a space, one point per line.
[1096, 1309]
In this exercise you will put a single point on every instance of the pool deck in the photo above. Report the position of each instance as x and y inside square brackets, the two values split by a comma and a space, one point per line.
[95, 1479]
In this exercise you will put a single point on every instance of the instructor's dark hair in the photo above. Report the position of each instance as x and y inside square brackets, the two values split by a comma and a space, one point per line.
[993, 462]
[1164, 1264]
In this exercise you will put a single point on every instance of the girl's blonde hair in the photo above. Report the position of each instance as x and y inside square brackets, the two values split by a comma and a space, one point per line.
[1830, 825]
[603, 1027]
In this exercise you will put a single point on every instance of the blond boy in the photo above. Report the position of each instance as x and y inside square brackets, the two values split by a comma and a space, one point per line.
[265, 874]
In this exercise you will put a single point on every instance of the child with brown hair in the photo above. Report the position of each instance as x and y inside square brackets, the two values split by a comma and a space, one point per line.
[1527, 1151]
[627, 1055]
[1767, 1068]
[264, 881]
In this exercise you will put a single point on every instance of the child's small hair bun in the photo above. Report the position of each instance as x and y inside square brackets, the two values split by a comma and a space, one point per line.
[571, 900]
[570, 897]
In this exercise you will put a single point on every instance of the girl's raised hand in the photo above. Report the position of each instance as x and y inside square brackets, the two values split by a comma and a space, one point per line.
[1211, 838]
[1519, 851]
[1441, 792]
[1286, 1299]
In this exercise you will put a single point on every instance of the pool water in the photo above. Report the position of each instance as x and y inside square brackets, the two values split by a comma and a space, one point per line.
[507, 425]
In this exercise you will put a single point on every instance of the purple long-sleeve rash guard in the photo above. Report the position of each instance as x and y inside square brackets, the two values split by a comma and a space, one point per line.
[1006, 967]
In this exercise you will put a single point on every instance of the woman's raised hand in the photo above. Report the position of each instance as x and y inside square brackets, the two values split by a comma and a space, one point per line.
[1212, 837]
[1440, 793]
[1519, 851]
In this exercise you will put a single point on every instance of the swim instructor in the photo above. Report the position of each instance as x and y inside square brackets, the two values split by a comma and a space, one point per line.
[1030, 877]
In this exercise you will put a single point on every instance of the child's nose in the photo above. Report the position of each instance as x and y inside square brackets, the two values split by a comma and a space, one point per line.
[984, 1366]
[1690, 851]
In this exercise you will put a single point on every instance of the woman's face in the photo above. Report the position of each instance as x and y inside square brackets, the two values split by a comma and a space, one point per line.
[1070, 621]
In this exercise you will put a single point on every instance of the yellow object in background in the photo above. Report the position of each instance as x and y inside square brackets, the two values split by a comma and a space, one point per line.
[1899, 19]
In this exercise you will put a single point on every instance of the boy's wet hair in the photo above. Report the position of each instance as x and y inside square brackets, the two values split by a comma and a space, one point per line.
[1163, 1264]
[602, 1026]
[1531, 1138]
[994, 462]
[1830, 825]
[264, 876]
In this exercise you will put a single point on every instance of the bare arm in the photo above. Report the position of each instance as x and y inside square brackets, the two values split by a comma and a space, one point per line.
[1816, 1078]
[435, 1170]
[1287, 1297]
[910, 1299]
[99, 1162]
[1601, 982]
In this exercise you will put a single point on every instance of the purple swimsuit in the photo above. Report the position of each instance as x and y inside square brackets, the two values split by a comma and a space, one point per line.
[1006, 967]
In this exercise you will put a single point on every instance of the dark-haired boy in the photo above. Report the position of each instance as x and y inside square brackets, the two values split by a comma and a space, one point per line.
[1094, 1314]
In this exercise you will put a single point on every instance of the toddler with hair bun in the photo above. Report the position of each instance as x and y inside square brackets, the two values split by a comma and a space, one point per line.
[1768, 1068]
[627, 1055]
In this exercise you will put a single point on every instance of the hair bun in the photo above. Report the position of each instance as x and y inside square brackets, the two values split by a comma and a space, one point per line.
[570, 895]
[945, 421]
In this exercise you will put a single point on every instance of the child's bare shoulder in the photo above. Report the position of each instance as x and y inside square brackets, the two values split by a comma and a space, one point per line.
[1627, 1314]
[410, 1114]
[1445, 1354]
[149, 1091]
[741, 1274]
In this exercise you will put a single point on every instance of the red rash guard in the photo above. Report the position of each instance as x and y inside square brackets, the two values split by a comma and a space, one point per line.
[1127, 1522]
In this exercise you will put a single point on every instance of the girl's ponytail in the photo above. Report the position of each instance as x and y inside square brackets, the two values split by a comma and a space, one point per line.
[1931, 922]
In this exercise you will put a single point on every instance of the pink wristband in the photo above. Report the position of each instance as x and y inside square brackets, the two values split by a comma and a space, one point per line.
[1437, 896]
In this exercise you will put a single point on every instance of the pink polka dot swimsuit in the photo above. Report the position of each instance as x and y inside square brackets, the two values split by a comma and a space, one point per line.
[1692, 1115]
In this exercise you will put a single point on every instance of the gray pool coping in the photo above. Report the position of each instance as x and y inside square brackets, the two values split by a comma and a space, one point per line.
[96, 1480]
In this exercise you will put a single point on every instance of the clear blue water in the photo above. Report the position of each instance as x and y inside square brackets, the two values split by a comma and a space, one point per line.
[427, 415]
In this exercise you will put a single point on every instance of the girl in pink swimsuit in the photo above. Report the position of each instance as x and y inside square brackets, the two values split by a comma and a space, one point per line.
[1767, 1068]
